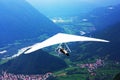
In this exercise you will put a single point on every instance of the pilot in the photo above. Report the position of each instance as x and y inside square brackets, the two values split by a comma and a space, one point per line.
[62, 50]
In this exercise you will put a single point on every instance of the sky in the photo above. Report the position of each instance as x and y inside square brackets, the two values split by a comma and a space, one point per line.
[65, 7]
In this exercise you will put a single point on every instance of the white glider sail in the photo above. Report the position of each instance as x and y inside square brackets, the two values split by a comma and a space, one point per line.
[61, 38]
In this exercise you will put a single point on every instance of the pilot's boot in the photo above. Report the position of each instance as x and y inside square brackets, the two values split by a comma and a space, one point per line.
[67, 54]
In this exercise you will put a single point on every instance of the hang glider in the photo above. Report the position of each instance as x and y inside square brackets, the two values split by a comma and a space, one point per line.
[61, 38]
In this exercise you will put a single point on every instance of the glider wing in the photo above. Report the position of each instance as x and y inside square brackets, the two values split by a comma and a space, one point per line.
[61, 38]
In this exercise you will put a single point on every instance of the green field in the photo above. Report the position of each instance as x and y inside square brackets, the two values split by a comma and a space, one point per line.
[73, 72]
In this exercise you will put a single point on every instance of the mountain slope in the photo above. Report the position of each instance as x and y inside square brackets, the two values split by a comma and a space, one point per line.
[104, 16]
[92, 49]
[97, 19]
[38, 62]
[112, 34]
[19, 20]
